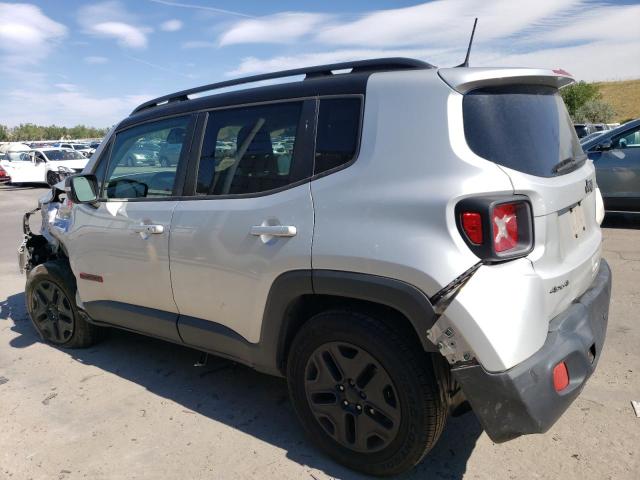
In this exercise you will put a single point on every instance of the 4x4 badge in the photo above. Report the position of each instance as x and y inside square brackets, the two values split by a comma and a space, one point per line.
[557, 288]
[588, 187]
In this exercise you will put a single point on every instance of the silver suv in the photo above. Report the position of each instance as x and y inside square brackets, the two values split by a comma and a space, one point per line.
[399, 241]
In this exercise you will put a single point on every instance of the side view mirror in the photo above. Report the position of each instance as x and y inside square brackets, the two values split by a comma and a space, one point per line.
[82, 188]
[604, 146]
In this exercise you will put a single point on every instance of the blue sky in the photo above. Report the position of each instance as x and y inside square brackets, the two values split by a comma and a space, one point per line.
[71, 61]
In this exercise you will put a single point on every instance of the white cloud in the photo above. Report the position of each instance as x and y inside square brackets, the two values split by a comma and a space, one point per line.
[26, 34]
[62, 107]
[603, 22]
[111, 19]
[112, 11]
[67, 87]
[594, 41]
[126, 35]
[95, 60]
[279, 28]
[171, 25]
[445, 22]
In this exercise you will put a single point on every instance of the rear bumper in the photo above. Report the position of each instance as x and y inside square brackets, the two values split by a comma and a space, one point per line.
[523, 400]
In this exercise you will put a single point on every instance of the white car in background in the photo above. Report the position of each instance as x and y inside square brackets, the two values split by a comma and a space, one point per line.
[43, 165]
[83, 148]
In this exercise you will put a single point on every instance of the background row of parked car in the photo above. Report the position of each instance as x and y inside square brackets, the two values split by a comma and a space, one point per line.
[584, 130]
[43, 162]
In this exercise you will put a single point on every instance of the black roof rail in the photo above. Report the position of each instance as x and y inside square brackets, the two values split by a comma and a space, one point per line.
[376, 64]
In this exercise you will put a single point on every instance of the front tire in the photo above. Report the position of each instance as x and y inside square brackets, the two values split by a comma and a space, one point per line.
[365, 394]
[50, 295]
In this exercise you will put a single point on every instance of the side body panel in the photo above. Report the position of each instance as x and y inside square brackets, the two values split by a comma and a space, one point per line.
[134, 266]
[221, 272]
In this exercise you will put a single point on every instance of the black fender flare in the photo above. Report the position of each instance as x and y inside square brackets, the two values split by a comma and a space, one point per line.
[291, 286]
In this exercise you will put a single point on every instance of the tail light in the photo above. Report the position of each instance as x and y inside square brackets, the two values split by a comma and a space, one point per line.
[496, 228]
[3, 174]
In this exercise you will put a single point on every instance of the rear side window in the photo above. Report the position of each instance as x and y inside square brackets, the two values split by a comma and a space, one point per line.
[249, 150]
[338, 132]
[523, 127]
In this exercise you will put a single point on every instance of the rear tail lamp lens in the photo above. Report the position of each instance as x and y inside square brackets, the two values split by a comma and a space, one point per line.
[472, 225]
[496, 228]
[2, 172]
[560, 377]
[504, 221]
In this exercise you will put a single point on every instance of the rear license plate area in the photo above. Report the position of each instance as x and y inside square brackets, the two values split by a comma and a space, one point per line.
[576, 218]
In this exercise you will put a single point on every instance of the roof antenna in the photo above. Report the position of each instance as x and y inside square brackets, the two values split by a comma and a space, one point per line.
[466, 59]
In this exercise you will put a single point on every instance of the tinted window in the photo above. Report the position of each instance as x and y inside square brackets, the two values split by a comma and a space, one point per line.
[526, 128]
[135, 173]
[249, 150]
[338, 129]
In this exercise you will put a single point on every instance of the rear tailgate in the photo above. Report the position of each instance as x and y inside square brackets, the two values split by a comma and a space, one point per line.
[516, 119]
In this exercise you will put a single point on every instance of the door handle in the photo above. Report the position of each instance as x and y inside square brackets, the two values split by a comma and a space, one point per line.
[274, 230]
[149, 229]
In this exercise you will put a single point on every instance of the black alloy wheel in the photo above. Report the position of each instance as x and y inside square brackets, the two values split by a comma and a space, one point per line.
[352, 396]
[52, 312]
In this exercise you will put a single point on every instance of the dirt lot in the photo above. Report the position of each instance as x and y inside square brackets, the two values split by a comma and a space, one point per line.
[133, 407]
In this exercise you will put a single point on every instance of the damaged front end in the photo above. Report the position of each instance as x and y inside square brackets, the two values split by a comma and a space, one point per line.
[36, 249]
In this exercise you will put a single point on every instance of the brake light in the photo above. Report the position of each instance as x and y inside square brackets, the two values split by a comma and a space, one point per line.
[2, 173]
[472, 225]
[504, 220]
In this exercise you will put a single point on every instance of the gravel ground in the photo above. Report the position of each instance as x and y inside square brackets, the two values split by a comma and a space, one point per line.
[134, 407]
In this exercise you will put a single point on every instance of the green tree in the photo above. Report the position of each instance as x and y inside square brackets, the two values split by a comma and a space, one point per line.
[4, 134]
[594, 111]
[577, 94]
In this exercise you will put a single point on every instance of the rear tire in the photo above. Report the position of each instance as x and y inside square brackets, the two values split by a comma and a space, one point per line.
[364, 393]
[50, 295]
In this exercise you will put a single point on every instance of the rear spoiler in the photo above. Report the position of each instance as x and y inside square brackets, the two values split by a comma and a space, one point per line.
[463, 80]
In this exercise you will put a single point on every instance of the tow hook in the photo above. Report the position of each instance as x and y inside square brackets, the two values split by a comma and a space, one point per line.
[442, 334]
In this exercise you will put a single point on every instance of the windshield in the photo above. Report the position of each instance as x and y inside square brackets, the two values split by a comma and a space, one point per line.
[79, 146]
[57, 155]
[523, 127]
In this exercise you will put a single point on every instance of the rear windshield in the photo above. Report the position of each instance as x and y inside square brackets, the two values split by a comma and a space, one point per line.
[523, 127]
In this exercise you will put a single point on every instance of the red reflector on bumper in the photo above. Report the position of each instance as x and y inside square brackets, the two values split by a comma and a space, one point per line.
[560, 377]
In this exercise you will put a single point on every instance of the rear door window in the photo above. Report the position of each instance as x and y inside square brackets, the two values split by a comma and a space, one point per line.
[249, 150]
[523, 127]
[338, 132]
